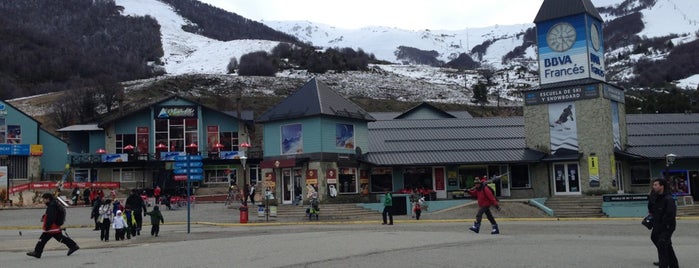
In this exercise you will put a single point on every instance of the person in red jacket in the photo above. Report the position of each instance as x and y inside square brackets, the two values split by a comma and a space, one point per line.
[51, 228]
[486, 199]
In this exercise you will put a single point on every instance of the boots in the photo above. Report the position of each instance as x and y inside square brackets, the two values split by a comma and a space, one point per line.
[495, 229]
[476, 227]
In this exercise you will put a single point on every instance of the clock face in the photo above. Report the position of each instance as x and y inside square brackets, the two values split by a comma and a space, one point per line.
[594, 37]
[561, 37]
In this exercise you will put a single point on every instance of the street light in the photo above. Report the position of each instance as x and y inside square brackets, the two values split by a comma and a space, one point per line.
[243, 161]
[669, 160]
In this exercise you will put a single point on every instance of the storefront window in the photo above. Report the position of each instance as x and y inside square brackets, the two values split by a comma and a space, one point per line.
[420, 178]
[381, 180]
[519, 176]
[640, 173]
[217, 174]
[124, 175]
[176, 133]
[348, 180]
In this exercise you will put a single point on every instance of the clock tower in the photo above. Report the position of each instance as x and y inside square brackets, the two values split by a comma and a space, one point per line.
[574, 115]
[569, 37]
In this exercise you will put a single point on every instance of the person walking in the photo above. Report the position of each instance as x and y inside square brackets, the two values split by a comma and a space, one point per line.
[486, 199]
[95, 214]
[52, 220]
[156, 194]
[387, 208]
[155, 219]
[75, 196]
[252, 194]
[105, 219]
[664, 210]
[86, 197]
[135, 203]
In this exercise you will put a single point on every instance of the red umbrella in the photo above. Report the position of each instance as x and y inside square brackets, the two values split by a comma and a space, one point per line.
[101, 151]
[128, 147]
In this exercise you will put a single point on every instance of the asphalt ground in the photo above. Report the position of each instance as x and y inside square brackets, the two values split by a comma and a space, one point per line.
[20, 227]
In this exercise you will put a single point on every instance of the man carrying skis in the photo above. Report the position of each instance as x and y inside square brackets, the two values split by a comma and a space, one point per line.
[52, 221]
[486, 199]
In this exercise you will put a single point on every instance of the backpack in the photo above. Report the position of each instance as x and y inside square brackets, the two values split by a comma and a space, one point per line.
[61, 215]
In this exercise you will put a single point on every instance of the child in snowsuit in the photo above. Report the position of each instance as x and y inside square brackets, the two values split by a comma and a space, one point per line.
[486, 199]
[119, 225]
[155, 219]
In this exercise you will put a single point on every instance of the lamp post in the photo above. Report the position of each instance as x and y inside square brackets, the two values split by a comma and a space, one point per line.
[243, 161]
[245, 147]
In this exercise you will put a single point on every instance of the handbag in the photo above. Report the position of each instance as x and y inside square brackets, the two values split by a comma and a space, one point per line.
[648, 222]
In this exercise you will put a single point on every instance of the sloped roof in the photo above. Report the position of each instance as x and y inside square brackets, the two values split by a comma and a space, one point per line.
[141, 106]
[425, 106]
[656, 135]
[449, 141]
[501, 140]
[84, 127]
[552, 9]
[312, 99]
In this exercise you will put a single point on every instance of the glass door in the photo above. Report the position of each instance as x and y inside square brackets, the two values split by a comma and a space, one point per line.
[566, 178]
[287, 186]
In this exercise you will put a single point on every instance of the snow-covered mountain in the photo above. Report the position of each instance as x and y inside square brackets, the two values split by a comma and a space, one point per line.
[187, 53]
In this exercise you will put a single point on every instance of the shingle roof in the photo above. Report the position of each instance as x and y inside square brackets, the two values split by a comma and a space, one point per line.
[552, 9]
[312, 99]
[501, 140]
[449, 141]
[655, 135]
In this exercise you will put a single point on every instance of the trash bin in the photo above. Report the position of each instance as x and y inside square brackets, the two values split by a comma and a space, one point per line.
[243, 214]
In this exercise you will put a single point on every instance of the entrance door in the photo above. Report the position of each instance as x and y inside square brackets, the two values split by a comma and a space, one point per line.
[619, 176]
[566, 178]
[440, 182]
[287, 186]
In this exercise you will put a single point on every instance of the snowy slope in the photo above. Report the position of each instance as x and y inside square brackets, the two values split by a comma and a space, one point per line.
[186, 52]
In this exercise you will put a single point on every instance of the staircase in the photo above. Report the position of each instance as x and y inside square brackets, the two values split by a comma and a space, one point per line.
[575, 206]
[329, 212]
[689, 210]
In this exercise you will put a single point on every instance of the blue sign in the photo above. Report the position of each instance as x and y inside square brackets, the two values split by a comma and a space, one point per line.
[190, 165]
[14, 149]
[180, 171]
[188, 158]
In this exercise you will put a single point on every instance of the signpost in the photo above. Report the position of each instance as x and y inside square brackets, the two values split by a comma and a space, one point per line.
[188, 167]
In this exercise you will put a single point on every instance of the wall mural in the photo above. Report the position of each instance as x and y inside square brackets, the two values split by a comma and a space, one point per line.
[292, 139]
[563, 128]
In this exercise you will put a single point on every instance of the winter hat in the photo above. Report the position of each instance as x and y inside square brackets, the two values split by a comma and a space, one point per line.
[118, 212]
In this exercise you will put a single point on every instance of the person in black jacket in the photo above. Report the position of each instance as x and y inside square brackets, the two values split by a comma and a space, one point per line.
[95, 213]
[664, 211]
[52, 228]
[138, 207]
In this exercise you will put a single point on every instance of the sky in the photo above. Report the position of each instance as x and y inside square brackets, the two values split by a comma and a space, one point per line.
[402, 14]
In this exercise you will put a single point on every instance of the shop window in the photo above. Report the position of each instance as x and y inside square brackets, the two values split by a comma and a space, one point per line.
[217, 174]
[348, 180]
[640, 173]
[519, 176]
[122, 140]
[17, 166]
[229, 140]
[124, 175]
[381, 180]
[176, 133]
[420, 178]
